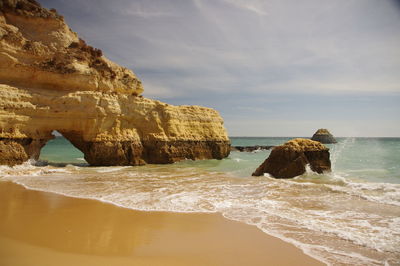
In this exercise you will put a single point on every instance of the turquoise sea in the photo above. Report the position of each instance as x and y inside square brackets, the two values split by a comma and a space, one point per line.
[348, 217]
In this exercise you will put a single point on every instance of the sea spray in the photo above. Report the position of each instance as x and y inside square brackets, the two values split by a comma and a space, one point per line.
[337, 149]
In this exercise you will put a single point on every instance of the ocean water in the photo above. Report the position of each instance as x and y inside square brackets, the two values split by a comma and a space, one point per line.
[348, 217]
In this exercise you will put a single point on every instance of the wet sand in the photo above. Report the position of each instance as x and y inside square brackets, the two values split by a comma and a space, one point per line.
[40, 228]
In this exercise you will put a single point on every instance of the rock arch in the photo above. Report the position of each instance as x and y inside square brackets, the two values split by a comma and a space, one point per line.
[60, 151]
[52, 80]
[109, 129]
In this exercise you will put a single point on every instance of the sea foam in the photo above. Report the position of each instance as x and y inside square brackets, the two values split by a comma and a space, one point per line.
[303, 211]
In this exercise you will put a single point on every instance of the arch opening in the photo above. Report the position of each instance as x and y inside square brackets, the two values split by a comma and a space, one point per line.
[60, 150]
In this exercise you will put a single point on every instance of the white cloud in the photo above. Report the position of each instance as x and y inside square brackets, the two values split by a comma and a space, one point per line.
[139, 9]
[249, 5]
[145, 14]
[156, 91]
[212, 49]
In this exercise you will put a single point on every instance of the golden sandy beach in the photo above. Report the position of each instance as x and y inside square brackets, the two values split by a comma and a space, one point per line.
[40, 228]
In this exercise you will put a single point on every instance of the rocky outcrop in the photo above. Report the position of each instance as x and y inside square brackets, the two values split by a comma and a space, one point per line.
[52, 80]
[251, 148]
[324, 136]
[290, 159]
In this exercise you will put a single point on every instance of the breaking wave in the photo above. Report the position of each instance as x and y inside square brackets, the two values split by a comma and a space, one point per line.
[329, 217]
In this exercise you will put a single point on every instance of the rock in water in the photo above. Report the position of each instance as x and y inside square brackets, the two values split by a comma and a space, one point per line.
[290, 159]
[250, 148]
[324, 136]
[52, 80]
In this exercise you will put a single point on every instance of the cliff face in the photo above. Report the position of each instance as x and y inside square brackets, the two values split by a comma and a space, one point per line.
[52, 80]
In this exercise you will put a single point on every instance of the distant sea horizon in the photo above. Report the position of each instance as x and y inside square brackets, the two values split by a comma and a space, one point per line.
[308, 137]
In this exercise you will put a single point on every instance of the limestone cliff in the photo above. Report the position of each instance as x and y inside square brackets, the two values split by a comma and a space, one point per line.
[52, 80]
[290, 159]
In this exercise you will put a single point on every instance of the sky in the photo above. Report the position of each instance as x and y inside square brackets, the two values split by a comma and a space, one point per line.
[270, 67]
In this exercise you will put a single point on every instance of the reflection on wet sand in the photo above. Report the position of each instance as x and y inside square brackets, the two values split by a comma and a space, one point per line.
[70, 230]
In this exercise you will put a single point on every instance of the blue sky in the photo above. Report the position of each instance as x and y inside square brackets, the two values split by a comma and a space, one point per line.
[270, 67]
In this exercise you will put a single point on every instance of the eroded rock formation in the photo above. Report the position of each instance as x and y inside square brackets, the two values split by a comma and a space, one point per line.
[324, 136]
[290, 159]
[52, 80]
[251, 148]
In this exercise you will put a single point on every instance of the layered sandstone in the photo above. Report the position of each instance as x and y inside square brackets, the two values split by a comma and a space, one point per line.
[52, 80]
[290, 159]
[324, 136]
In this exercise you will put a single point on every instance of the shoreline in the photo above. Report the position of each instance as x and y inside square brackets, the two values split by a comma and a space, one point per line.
[48, 228]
